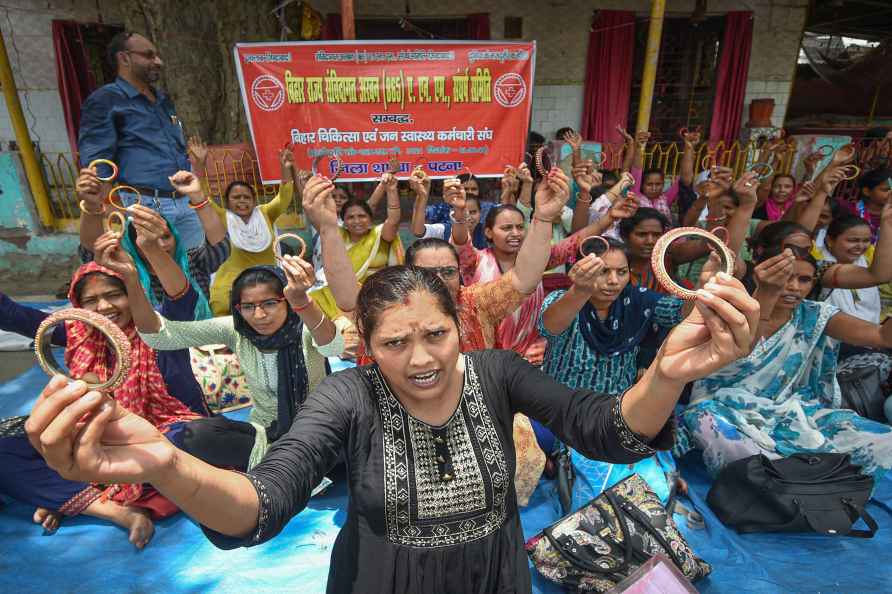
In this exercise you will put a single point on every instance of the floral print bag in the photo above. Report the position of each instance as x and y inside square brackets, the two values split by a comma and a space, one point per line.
[220, 375]
[598, 546]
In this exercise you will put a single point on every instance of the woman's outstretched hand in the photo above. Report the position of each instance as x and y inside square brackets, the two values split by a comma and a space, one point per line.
[718, 331]
[86, 436]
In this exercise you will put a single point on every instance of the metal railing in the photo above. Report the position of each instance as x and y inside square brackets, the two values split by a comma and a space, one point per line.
[61, 171]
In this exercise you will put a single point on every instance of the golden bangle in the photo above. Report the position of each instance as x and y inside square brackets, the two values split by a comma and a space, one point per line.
[114, 193]
[658, 258]
[119, 342]
[111, 164]
[115, 216]
[83, 206]
[856, 172]
[766, 168]
[278, 240]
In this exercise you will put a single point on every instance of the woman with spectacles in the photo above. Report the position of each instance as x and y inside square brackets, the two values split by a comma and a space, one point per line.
[281, 337]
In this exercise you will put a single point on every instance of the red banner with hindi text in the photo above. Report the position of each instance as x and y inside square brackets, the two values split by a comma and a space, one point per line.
[368, 107]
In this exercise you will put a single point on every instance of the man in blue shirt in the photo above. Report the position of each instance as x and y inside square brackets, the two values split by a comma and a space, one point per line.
[134, 124]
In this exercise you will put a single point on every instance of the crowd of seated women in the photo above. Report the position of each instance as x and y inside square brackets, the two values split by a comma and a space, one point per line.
[510, 272]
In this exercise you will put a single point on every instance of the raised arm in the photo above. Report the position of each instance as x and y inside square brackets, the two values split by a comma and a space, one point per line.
[809, 213]
[509, 184]
[629, 145]
[198, 157]
[378, 194]
[110, 254]
[301, 278]
[278, 205]
[771, 277]
[553, 193]
[642, 137]
[151, 230]
[852, 276]
[586, 178]
[185, 182]
[320, 208]
[91, 195]
[454, 196]
[525, 177]
[686, 173]
[857, 332]
[560, 314]
[419, 209]
[394, 212]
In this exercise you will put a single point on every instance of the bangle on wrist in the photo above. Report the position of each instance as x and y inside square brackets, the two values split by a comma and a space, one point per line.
[715, 219]
[319, 325]
[299, 308]
[179, 295]
[201, 204]
[540, 219]
[584, 197]
[85, 210]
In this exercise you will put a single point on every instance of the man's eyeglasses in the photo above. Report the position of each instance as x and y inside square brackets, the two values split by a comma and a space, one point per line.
[444, 272]
[268, 306]
[148, 54]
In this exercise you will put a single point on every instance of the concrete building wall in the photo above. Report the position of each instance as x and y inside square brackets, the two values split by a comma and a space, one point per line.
[27, 30]
[29, 257]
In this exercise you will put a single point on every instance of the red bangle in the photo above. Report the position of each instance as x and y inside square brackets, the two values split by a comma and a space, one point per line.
[715, 219]
[202, 204]
[296, 309]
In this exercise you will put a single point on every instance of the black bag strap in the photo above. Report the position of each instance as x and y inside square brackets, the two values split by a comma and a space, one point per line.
[860, 512]
[644, 521]
[853, 510]
[584, 564]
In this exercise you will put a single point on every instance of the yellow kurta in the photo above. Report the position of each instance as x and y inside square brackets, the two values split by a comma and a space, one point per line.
[240, 259]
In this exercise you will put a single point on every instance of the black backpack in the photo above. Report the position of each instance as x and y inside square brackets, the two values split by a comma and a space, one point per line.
[822, 493]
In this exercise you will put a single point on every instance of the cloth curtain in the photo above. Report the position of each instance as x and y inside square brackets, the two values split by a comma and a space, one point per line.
[730, 85]
[332, 28]
[73, 74]
[608, 75]
[478, 26]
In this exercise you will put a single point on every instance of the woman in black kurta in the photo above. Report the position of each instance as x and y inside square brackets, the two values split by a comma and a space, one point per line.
[416, 524]
[432, 508]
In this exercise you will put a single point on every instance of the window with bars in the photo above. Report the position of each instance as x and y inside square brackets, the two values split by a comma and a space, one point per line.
[685, 82]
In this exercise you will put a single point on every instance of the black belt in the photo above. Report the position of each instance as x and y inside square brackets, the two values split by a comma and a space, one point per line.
[155, 193]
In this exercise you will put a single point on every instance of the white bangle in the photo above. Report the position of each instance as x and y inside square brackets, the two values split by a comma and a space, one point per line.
[319, 325]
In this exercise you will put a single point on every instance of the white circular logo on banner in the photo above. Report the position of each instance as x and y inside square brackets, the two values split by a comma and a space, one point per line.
[268, 92]
[509, 89]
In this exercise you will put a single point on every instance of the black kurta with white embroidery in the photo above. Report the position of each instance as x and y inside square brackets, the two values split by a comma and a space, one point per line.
[432, 509]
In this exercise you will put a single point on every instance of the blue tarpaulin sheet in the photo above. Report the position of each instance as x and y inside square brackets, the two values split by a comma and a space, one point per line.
[87, 555]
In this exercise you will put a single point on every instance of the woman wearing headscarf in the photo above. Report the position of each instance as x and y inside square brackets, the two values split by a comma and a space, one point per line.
[281, 337]
[197, 264]
[157, 386]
